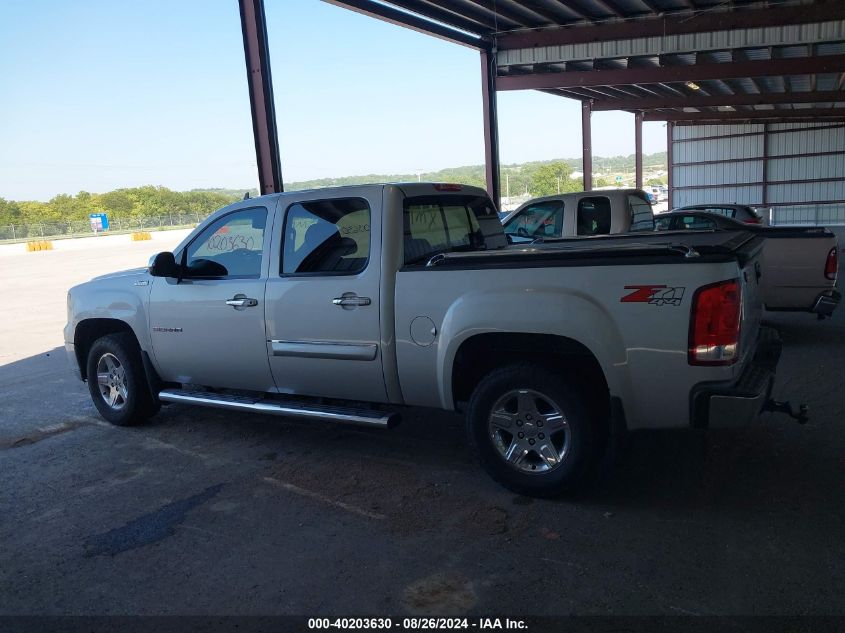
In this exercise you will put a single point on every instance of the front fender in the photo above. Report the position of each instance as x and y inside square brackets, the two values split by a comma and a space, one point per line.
[537, 310]
[110, 299]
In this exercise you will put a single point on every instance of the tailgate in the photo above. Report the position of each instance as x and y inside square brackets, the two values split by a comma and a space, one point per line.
[794, 266]
[751, 267]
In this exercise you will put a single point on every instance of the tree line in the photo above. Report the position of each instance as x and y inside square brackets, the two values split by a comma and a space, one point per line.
[537, 178]
[128, 204]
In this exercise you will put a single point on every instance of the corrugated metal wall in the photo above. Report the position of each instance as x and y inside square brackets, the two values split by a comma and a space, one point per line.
[797, 169]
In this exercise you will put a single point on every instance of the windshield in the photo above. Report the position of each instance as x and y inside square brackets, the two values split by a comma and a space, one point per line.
[540, 219]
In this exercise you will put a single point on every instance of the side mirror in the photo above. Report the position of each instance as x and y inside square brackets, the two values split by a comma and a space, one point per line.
[164, 265]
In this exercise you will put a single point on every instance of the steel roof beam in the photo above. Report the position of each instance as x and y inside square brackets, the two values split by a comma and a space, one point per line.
[676, 24]
[714, 101]
[771, 115]
[463, 20]
[513, 15]
[414, 22]
[679, 73]
[465, 8]
[567, 6]
[611, 8]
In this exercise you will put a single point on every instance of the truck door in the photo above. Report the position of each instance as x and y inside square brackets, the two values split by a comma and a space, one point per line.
[323, 300]
[208, 328]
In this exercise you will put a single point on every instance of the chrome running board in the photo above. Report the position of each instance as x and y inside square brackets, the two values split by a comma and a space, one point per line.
[290, 409]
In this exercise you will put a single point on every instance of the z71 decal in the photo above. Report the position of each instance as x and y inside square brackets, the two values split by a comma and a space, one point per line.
[654, 294]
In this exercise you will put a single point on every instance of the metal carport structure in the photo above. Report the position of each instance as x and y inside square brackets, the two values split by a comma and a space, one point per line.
[745, 86]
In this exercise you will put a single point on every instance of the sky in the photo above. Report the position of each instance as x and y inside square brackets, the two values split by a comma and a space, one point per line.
[97, 95]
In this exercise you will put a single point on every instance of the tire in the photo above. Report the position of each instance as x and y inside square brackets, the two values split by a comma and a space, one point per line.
[125, 400]
[528, 399]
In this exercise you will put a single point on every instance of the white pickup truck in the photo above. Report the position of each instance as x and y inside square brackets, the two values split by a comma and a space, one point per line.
[580, 214]
[799, 264]
[348, 304]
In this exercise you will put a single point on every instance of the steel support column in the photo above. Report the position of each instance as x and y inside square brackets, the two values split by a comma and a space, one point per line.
[491, 125]
[765, 163]
[259, 80]
[638, 148]
[587, 144]
[670, 162]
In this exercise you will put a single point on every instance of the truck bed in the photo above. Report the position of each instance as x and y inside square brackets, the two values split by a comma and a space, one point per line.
[634, 248]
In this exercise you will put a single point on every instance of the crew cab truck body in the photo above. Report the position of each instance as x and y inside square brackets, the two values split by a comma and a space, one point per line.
[347, 304]
[580, 214]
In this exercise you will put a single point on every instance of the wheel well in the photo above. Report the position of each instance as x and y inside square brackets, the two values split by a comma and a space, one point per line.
[482, 353]
[90, 330]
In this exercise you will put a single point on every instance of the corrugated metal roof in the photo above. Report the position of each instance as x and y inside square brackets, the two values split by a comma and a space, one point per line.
[536, 37]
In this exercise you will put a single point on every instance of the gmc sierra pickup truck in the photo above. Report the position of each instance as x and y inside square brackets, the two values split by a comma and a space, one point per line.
[347, 304]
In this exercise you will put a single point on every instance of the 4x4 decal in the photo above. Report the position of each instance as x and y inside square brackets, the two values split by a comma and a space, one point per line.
[655, 294]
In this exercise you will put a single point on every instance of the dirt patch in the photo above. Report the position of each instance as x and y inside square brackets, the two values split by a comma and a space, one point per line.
[41, 434]
[401, 494]
[486, 520]
[440, 594]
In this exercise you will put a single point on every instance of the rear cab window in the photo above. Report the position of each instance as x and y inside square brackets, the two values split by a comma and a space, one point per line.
[594, 216]
[448, 223]
[540, 219]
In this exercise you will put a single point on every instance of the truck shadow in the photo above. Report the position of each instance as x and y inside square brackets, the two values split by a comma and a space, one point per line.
[774, 468]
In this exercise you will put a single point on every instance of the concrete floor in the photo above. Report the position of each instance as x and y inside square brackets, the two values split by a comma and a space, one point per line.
[206, 512]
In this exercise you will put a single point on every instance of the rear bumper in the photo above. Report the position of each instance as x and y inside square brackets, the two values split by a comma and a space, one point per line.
[721, 405]
[826, 302]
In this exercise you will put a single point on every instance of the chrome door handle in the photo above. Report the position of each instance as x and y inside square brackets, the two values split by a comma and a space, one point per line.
[351, 301]
[239, 301]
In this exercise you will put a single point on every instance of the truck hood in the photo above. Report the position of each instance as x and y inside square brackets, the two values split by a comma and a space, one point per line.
[132, 272]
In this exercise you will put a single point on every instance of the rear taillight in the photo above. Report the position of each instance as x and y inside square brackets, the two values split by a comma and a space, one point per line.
[447, 186]
[831, 266]
[715, 323]
[754, 221]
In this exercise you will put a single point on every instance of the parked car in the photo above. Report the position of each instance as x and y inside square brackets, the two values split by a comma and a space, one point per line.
[739, 212]
[657, 193]
[347, 304]
[582, 213]
[799, 264]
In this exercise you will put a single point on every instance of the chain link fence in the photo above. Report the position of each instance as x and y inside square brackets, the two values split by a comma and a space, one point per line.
[82, 228]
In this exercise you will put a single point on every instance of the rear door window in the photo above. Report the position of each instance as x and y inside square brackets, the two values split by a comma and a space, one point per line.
[662, 224]
[728, 213]
[695, 223]
[593, 216]
[541, 219]
[329, 237]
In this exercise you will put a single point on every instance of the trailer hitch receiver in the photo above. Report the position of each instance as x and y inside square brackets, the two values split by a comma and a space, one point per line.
[775, 406]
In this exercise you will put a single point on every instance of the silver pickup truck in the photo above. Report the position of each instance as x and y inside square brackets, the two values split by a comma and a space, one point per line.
[348, 304]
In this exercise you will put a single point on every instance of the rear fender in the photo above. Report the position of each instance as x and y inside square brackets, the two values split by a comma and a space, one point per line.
[527, 311]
